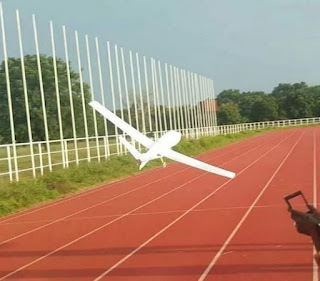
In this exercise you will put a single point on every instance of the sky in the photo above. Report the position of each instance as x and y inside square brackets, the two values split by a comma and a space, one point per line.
[248, 45]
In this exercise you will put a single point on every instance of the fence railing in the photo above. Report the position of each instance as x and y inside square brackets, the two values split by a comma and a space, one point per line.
[237, 128]
[65, 153]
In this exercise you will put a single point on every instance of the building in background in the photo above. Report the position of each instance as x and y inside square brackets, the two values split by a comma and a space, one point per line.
[209, 105]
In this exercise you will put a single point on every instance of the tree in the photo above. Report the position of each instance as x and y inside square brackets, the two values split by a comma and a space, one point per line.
[298, 105]
[229, 113]
[264, 109]
[229, 96]
[316, 108]
[314, 93]
[246, 102]
[35, 102]
[292, 101]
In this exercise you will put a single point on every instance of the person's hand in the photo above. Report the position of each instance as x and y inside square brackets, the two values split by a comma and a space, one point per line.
[317, 258]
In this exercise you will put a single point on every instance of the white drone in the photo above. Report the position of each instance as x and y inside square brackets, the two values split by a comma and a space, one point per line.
[156, 149]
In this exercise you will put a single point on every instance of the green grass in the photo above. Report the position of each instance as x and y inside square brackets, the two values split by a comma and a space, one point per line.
[62, 182]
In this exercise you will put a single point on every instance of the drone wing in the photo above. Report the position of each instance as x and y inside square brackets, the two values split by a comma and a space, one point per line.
[121, 124]
[176, 156]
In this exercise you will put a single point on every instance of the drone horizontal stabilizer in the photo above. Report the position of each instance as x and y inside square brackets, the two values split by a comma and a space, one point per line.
[135, 153]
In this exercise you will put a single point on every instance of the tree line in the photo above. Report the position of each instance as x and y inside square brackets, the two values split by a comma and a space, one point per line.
[286, 101]
[35, 99]
[69, 84]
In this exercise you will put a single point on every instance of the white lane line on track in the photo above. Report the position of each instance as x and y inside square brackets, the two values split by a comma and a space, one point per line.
[111, 184]
[113, 198]
[315, 268]
[235, 230]
[136, 209]
[161, 213]
[82, 210]
[181, 216]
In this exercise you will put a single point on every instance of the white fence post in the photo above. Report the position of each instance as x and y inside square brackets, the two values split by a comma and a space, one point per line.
[25, 91]
[43, 101]
[13, 135]
[157, 96]
[133, 84]
[112, 93]
[195, 107]
[162, 97]
[174, 111]
[65, 150]
[154, 99]
[190, 102]
[176, 97]
[74, 130]
[180, 102]
[57, 91]
[124, 74]
[106, 139]
[9, 161]
[147, 91]
[94, 113]
[186, 103]
[40, 157]
[84, 111]
[143, 118]
[168, 96]
[120, 88]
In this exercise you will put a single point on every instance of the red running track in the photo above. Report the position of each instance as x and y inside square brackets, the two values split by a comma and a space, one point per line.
[177, 223]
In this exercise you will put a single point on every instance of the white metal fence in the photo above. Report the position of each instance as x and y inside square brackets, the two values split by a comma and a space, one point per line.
[49, 74]
[237, 128]
[65, 153]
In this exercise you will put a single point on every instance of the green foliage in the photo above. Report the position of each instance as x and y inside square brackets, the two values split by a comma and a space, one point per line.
[17, 195]
[229, 114]
[226, 96]
[247, 99]
[264, 109]
[35, 100]
[287, 101]
[25, 193]
[295, 101]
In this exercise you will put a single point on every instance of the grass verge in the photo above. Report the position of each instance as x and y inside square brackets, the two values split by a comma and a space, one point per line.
[61, 182]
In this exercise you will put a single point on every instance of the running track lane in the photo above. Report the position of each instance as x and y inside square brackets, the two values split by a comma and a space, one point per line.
[267, 246]
[25, 223]
[71, 254]
[184, 251]
[12, 258]
[59, 208]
